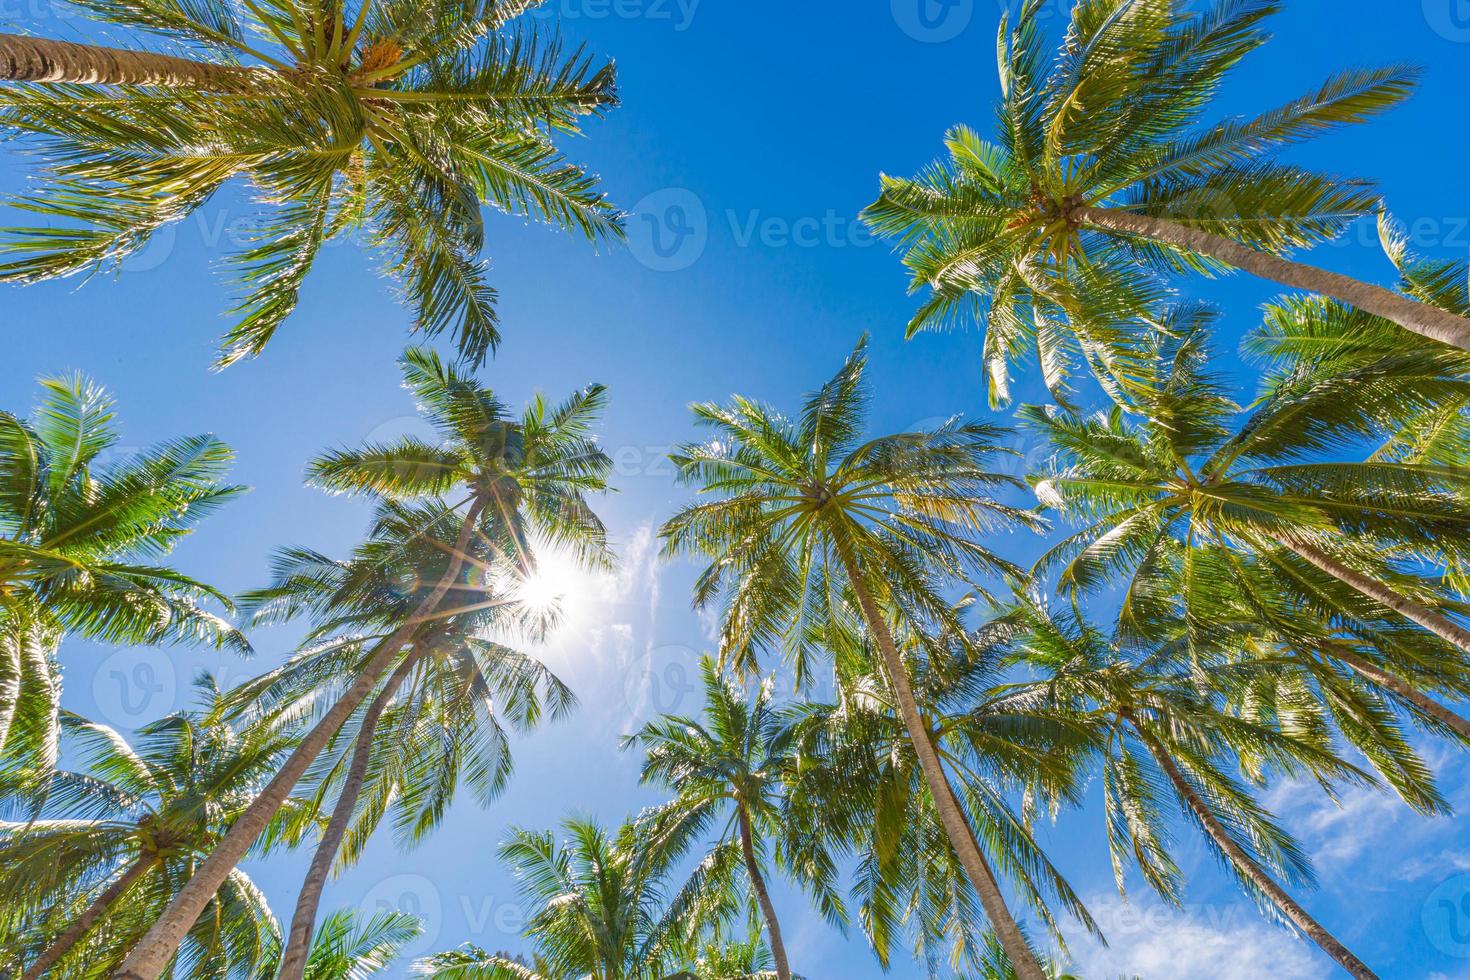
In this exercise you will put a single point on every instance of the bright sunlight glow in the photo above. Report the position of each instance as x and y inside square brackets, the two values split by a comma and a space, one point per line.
[559, 585]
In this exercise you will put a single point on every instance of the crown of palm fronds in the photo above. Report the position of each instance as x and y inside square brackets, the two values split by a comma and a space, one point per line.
[1152, 701]
[466, 685]
[394, 119]
[82, 538]
[790, 500]
[531, 473]
[859, 788]
[1249, 535]
[728, 770]
[1197, 471]
[159, 803]
[1113, 120]
[597, 902]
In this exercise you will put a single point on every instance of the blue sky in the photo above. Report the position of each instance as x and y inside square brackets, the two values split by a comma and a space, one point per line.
[751, 136]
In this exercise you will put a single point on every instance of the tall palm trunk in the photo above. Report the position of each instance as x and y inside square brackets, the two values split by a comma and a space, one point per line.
[1245, 865]
[1437, 624]
[79, 927]
[35, 59]
[951, 814]
[1421, 318]
[11, 672]
[150, 957]
[763, 897]
[1372, 672]
[303, 920]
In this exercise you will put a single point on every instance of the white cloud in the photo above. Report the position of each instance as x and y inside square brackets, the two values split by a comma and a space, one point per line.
[1337, 833]
[637, 575]
[1223, 942]
[601, 646]
[1369, 827]
[1436, 866]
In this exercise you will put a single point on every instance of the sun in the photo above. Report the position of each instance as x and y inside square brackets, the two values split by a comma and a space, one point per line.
[543, 592]
[559, 585]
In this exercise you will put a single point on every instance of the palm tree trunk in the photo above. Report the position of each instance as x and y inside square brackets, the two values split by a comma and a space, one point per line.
[1377, 675]
[1421, 318]
[74, 932]
[1437, 624]
[35, 59]
[151, 955]
[1243, 863]
[758, 883]
[303, 920]
[951, 814]
[11, 672]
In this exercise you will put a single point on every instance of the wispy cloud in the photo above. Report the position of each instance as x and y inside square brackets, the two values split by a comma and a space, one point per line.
[1375, 827]
[1423, 866]
[1223, 942]
[603, 644]
[1341, 832]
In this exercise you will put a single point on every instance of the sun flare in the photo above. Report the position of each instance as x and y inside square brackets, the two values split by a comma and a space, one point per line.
[558, 585]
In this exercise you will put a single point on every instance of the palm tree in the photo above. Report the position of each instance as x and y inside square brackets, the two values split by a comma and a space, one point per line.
[728, 770]
[1350, 536]
[1212, 563]
[346, 947]
[1313, 659]
[1348, 379]
[1156, 721]
[1100, 171]
[1410, 399]
[494, 477]
[82, 882]
[596, 897]
[396, 118]
[1413, 395]
[406, 753]
[997, 967]
[749, 960]
[81, 540]
[859, 785]
[805, 508]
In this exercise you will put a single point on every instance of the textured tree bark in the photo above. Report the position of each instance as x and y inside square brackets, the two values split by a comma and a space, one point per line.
[35, 59]
[85, 921]
[1437, 624]
[1294, 913]
[951, 814]
[763, 897]
[1421, 318]
[1405, 690]
[151, 956]
[303, 920]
